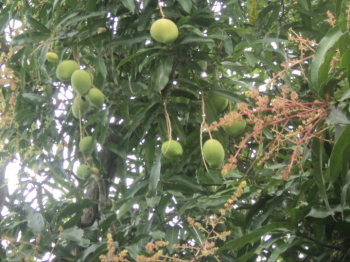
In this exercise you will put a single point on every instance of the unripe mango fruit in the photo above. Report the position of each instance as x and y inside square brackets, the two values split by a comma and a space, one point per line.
[52, 57]
[213, 153]
[95, 97]
[164, 31]
[172, 149]
[219, 102]
[83, 172]
[101, 30]
[65, 70]
[236, 128]
[81, 82]
[94, 170]
[80, 103]
[86, 145]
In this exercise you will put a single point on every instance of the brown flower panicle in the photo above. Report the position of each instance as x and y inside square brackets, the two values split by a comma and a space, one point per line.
[289, 122]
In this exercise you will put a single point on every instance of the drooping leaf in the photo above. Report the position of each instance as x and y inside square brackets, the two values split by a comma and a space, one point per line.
[317, 159]
[254, 236]
[155, 173]
[327, 42]
[338, 154]
[160, 75]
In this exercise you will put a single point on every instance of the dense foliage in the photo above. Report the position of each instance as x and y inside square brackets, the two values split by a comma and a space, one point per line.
[281, 193]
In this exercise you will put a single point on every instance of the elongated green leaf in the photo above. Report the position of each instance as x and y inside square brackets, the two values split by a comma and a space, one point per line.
[344, 191]
[317, 160]
[172, 238]
[254, 236]
[145, 17]
[177, 126]
[125, 208]
[129, 40]
[37, 25]
[129, 4]
[322, 211]
[160, 76]
[186, 5]
[29, 37]
[338, 153]
[155, 174]
[187, 183]
[36, 223]
[101, 66]
[76, 207]
[139, 117]
[34, 98]
[196, 39]
[338, 8]
[327, 42]
[74, 19]
[284, 247]
[345, 59]
[4, 17]
[138, 53]
[337, 117]
[228, 94]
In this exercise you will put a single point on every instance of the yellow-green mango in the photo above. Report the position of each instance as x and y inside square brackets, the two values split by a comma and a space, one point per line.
[96, 97]
[86, 145]
[219, 102]
[65, 70]
[213, 153]
[84, 172]
[172, 149]
[79, 102]
[81, 82]
[164, 31]
[236, 128]
[52, 57]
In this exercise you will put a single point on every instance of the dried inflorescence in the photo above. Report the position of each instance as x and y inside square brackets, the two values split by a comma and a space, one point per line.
[154, 249]
[208, 247]
[290, 122]
[13, 244]
[111, 256]
[331, 19]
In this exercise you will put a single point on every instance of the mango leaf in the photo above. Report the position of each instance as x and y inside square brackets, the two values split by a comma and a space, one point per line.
[155, 174]
[327, 42]
[337, 117]
[256, 235]
[323, 212]
[138, 53]
[186, 5]
[76, 207]
[338, 153]
[160, 75]
[77, 18]
[145, 16]
[345, 59]
[283, 247]
[29, 37]
[75, 234]
[4, 17]
[172, 238]
[344, 192]
[228, 94]
[37, 25]
[129, 40]
[129, 4]
[34, 98]
[36, 223]
[317, 160]
[196, 39]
